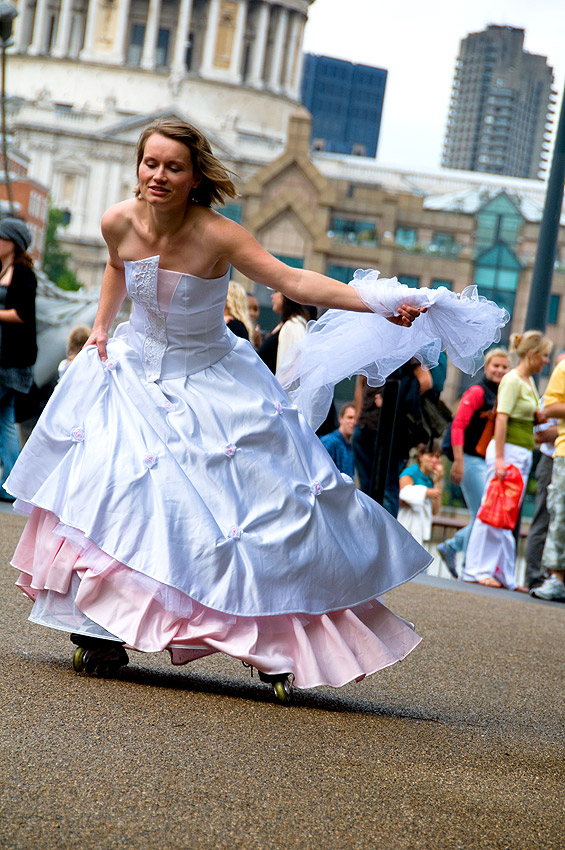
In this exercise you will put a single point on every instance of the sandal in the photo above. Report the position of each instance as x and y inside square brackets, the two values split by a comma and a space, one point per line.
[489, 582]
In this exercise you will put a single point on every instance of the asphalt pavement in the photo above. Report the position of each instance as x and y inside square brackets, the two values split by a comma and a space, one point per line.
[459, 746]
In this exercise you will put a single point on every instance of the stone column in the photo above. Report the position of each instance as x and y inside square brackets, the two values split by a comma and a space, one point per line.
[119, 53]
[87, 51]
[39, 39]
[151, 33]
[178, 65]
[278, 47]
[63, 29]
[257, 64]
[237, 50]
[20, 26]
[296, 82]
[207, 68]
[290, 56]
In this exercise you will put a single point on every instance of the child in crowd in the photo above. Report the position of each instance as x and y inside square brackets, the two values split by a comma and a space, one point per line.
[77, 339]
[420, 492]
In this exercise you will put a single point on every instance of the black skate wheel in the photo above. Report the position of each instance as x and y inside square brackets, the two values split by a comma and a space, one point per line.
[281, 689]
[78, 659]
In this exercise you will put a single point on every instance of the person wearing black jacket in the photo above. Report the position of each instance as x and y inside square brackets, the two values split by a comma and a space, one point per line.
[18, 343]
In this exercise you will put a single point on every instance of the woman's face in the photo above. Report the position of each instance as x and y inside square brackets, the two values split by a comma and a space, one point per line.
[277, 301]
[7, 251]
[166, 175]
[537, 361]
[496, 368]
[428, 463]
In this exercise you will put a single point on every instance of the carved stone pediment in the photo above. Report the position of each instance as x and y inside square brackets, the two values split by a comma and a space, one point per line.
[129, 129]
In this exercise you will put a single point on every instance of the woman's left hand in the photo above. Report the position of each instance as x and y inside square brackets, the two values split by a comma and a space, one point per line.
[406, 315]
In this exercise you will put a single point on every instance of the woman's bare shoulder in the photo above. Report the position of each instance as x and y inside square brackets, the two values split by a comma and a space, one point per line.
[119, 215]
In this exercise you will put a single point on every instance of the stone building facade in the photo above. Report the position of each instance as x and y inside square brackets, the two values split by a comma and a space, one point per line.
[334, 215]
[84, 77]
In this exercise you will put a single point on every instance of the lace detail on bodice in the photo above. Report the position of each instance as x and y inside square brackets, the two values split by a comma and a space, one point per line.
[144, 293]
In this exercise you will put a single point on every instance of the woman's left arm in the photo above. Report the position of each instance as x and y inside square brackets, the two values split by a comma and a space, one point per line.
[12, 316]
[306, 287]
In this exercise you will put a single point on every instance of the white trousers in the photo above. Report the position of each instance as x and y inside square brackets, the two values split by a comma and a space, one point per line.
[491, 552]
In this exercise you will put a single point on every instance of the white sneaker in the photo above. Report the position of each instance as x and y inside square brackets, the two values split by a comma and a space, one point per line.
[552, 589]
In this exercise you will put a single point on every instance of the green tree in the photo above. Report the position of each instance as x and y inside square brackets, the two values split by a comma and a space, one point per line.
[55, 259]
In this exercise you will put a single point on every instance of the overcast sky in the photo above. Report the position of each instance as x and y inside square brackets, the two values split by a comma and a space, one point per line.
[418, 42]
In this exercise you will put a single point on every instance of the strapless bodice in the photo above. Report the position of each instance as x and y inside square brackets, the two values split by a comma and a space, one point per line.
[177, 322]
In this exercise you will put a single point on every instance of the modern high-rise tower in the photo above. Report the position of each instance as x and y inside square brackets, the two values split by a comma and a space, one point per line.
[501, 106]
[346, 102]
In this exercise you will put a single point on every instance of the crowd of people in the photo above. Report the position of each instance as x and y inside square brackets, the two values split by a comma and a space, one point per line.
[179, 500]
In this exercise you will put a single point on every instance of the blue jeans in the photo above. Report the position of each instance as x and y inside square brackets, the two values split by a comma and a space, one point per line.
[9, 443]
[472, 485]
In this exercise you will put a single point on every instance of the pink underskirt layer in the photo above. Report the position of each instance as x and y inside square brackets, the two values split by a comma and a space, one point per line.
[77, 587]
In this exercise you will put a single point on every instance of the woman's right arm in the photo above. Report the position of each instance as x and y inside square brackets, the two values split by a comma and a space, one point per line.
[113, 289]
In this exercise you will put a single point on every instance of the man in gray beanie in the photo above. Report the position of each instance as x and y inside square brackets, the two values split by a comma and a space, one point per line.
[15, 231]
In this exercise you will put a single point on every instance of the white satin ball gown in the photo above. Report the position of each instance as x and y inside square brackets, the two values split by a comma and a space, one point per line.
[177, 499]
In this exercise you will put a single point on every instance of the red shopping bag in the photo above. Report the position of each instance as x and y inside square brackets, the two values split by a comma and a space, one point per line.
[502, 501]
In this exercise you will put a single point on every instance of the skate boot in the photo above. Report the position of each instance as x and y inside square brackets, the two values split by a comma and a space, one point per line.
[98, 657]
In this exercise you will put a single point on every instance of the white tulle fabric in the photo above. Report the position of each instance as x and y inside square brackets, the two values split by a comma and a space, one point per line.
[341, 344]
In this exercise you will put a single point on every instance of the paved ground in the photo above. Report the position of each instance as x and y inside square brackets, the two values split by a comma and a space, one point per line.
[460, 746]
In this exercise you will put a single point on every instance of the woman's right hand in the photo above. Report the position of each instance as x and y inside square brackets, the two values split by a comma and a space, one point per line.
[500, 468]
[457, 471]
[99, 338]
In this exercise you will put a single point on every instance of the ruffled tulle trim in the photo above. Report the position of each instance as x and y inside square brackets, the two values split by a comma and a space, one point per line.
[77, 587]
[342, 344]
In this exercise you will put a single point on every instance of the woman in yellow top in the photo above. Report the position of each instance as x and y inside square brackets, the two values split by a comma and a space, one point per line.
[491, 552]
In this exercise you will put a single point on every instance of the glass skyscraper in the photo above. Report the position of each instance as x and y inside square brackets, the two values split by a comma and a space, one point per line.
[346, 102]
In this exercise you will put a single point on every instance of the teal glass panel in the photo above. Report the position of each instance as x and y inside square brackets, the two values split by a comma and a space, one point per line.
[485, 276]
[507, 280]
[342, 273]
[409, 280]
[406, 237]
[353, 232]
[293, 262]
[554, 304]
[231, 211]
[436, 283]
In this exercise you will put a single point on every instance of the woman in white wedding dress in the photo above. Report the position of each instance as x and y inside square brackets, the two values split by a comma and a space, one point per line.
[176, 498]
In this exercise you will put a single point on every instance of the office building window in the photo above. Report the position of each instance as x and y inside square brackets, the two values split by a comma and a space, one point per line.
[352, 232]
[444, 243]
[553, 314]
[231, 211]
[409, 280]
[342, 273]
[162, 51]
[293, 262]
[406, 237]
[135, 46]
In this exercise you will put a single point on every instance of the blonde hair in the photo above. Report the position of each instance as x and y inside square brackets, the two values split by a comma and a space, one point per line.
[533, 341]
[77, 338]
[216, 185]
[496, 352]
[236, 306]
